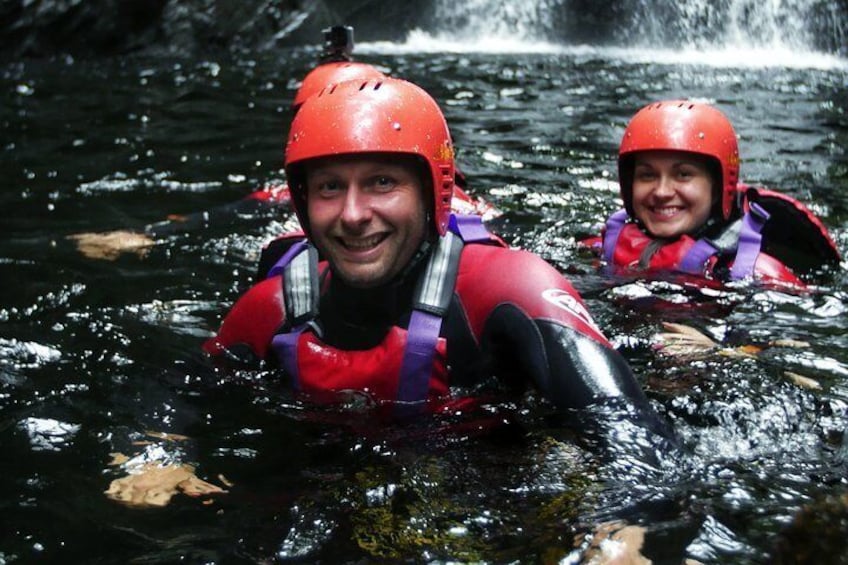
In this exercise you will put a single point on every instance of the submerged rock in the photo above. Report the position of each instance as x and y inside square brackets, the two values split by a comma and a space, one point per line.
[816, 534]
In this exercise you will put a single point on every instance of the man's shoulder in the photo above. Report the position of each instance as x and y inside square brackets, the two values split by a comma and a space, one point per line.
[510, 272]
[487, 257]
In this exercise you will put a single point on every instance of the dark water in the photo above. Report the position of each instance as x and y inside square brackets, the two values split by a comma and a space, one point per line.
[95, 355]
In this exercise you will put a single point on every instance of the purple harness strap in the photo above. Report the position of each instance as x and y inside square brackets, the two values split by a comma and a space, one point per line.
[432, 299]
[750, 242]
[299, 266]
[695, 259]
[615, 224]
[748, 245]
[290, 253]
[285, 345]
[417, 366]
[469, 227]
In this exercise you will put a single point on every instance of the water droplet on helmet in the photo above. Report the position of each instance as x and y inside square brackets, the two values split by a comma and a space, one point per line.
[396, 126]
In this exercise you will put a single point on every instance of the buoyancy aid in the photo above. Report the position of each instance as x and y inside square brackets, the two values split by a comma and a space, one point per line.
[409, 365]
[757, 244]
[793, 234]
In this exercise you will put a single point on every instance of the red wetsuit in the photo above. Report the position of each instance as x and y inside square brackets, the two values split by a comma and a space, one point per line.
[510, 315]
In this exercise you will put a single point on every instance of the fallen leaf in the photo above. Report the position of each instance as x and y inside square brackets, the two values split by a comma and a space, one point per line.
[802, 381]
[680, 340]
[749, 349]
[789, 343]
[741, 351]
[614, 544]
[193, 486]
[166, 436]
[154, 485]
[110, 245]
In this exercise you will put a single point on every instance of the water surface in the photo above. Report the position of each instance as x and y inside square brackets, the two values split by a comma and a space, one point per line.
[98, 357]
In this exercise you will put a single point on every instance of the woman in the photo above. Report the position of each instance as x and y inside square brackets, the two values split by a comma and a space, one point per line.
[686, 211]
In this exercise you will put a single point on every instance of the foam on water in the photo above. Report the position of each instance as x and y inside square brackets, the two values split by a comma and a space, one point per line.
[730, 56]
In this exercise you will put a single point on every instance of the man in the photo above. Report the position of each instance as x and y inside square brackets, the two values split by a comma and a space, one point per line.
[335, 66]
[409, 300]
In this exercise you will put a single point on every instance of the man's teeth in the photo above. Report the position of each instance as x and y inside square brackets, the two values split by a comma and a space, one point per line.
[360, 244]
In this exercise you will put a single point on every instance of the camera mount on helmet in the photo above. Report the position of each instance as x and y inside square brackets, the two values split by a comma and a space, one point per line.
[338, 44]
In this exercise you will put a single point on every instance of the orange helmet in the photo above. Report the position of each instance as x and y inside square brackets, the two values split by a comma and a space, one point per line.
[328, 74]
[681, 125]
[378, 116]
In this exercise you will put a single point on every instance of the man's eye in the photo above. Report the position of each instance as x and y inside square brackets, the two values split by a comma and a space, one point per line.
[384, 183]
[327, 188]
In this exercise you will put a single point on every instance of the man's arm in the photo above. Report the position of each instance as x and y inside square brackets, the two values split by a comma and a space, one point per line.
[532, 320]
[246, 332]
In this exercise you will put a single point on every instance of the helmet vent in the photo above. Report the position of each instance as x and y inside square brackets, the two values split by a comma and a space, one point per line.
[364, 85]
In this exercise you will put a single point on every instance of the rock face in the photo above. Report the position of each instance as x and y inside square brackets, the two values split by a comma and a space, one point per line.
[108, 27]
[33, 28]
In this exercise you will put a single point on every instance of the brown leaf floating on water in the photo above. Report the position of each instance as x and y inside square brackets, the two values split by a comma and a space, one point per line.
[616, 544]
[110, 245]
[802, 381]
[153, 485]
[789, 343]
[166, 436]
[118, 459]
[680, 340]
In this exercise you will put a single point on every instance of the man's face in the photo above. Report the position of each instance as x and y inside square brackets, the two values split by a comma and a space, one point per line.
[367, 214]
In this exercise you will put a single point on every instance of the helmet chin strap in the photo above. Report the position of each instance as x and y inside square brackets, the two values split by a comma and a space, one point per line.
[422, 252]
[423, 249]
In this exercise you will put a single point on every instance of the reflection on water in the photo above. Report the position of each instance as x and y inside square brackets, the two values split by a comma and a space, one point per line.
[100, 357]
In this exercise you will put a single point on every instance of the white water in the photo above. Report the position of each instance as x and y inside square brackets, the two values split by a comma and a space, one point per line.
[735, 34]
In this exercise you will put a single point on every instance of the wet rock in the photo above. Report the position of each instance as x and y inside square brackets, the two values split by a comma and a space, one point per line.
[816, 534]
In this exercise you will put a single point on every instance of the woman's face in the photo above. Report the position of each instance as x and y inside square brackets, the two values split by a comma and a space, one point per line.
[672, 192]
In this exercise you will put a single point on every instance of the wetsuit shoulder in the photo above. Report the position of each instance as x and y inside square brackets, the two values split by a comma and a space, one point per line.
[491, 276]
[250, 324]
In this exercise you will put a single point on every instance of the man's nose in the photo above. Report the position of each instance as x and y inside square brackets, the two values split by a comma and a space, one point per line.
[357, 205]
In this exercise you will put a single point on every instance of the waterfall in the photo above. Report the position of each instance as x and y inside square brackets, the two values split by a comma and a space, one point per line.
[499, 19]
[808, 25]
[805, 25]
